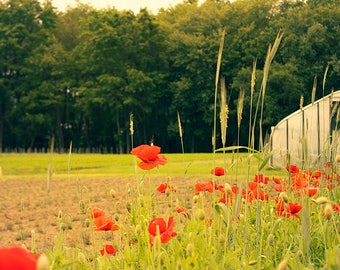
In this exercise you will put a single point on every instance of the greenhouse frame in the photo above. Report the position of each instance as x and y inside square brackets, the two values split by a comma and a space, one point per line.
[309, 136]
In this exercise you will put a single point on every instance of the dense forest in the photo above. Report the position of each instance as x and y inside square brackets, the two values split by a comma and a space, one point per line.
[82, 75]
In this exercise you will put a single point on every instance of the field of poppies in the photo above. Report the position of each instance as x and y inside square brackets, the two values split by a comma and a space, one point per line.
[257, 222]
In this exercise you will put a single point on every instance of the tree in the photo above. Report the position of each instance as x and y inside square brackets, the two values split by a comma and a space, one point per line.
[24, 26]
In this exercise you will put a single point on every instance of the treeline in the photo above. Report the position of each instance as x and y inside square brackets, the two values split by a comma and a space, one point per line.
[84, 75]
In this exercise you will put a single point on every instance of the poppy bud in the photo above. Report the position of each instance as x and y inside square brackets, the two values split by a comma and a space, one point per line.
[62, 226]
[283, 265]
[81, 257]
[227, 188]
[253, 262]
[138, 229]
[128, 207]
[60, 215]
[129, 188]
[201, 214]
[300, 255]
[82, 207]
[167, 192]
[195, 199]
[337, 158]
[113, 193]
[43, 263]
[157, 241]
[284, 197]
[141, 201]
[87, 223]
[190, 250]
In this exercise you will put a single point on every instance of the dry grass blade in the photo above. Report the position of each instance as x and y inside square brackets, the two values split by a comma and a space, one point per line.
[314, 89]
[324, 80]
[240, 103]
[180, 131]
[269, 58]
[252, 90]
[301, 102]
[219, 60]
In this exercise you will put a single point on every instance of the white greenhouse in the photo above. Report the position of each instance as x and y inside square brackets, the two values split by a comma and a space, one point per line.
[309, 135]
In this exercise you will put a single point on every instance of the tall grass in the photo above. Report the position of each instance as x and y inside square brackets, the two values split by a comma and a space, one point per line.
[250, 218]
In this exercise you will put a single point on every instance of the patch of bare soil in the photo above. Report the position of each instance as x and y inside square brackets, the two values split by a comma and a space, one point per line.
[28, 211]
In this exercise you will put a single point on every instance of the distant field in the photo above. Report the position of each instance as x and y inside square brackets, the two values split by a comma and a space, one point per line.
[75, 165]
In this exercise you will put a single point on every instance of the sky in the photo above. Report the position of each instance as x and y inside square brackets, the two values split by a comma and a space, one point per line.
[134, 5]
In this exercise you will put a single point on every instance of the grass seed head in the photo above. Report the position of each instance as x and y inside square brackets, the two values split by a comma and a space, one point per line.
[271, 239]
[327, 211]
[320, 200]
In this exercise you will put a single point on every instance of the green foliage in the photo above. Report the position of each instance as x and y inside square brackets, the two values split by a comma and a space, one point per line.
[77, 75]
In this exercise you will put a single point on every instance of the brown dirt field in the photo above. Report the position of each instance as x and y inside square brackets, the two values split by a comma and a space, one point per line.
[26, 206]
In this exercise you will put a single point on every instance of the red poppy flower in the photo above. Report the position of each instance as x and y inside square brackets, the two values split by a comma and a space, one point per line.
[299, 181]
[310, 191]
[277, 180]
[260, 178]
[219, 187]
[255, 192]
[163, 187]
[105, 224]
[200, 187]
[328, 165]
[180, 209]
[292, 210]
[108, 249]
[292, 169]
[280, 188]
[336, 207]
[280, 207]
[165, 231]
[317, 174]
[218, 171]
[149, 156]
[17, 258]
[253, 185]
[330, 186]
[97, 212]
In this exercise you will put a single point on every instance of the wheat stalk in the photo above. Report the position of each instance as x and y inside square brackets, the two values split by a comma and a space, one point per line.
[252, 90]
[219, 60]
[224, 112]
[240, 103]
[269, 58]
[180, 131]
[131, 128]
[314, 90]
